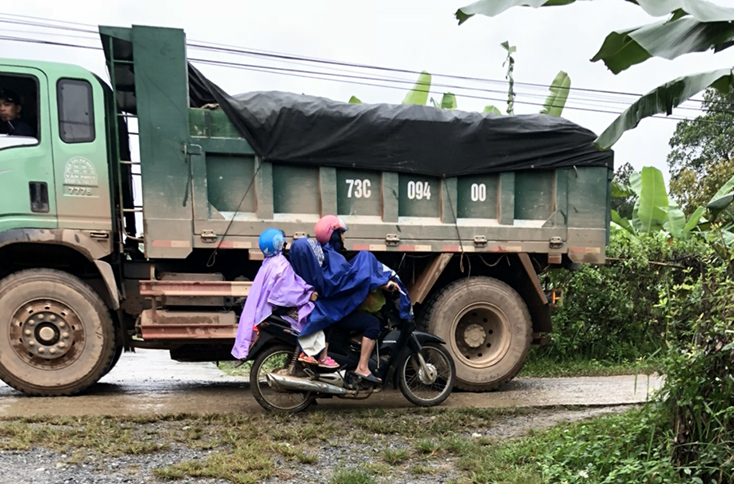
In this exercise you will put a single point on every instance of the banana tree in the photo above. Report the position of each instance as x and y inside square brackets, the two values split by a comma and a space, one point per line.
[554, 103]
[692, 26]
[653, 211]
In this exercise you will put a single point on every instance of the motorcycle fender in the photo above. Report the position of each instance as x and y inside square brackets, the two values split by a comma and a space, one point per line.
[272, 334]
[424, 338]
[391, 340]
[416, 340]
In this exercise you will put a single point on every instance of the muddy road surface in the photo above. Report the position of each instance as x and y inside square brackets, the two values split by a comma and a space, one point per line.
[149, 382]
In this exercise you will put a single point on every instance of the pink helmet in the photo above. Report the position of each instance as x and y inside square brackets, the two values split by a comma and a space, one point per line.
[326, 226]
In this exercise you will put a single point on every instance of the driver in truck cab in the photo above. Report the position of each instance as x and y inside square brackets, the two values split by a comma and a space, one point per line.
[10, 111]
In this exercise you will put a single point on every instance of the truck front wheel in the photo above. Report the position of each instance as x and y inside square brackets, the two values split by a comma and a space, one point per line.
[487, 328]
[56, 335]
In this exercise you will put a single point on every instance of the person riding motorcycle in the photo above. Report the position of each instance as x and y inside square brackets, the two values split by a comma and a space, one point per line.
[343, 286]
[276, 286]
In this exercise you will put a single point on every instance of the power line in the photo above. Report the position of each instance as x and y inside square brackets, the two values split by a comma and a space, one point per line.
[404, 81]
[228, 49]
[319, 76]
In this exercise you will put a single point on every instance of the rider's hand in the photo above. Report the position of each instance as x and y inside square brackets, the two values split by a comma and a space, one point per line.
[391, 286]
[314, 296]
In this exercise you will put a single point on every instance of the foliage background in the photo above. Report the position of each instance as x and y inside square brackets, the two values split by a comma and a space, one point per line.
[610, 312]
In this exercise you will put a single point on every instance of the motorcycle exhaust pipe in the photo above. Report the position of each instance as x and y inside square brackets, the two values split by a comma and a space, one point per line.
[294, 383]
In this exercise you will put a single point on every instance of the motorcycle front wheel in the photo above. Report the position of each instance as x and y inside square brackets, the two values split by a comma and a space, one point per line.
[276, 359]
[427, 389]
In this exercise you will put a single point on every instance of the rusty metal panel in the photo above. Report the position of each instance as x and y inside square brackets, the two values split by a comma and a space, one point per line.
[194, 288]
[428, 278]
[187, 325]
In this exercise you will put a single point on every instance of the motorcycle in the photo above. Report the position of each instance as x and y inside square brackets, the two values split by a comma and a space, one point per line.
[414, 361]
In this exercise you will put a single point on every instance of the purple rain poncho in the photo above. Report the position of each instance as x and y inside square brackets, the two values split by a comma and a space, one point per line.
[276, 284]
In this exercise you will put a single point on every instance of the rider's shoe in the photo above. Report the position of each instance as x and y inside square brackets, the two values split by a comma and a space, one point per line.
[328, 362]
[369, 378]
[308, 360]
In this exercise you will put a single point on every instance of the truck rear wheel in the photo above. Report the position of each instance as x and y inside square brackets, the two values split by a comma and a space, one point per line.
[56, 335]
[487, 329]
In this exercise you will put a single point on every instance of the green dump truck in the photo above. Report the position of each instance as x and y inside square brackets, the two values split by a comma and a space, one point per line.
[469, 220]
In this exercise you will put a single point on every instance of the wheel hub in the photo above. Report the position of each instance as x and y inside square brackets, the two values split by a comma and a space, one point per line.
[481, 335]
[428, 377]
[474, 335]
[45, 331]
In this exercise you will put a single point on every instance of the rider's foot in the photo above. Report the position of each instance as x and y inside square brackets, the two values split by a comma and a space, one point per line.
[369, 377]
[328, 362]
[309, 360]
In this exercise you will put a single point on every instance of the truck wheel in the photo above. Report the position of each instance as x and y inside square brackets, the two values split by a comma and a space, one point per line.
[487, 329]
[56, 335]
[113, 361]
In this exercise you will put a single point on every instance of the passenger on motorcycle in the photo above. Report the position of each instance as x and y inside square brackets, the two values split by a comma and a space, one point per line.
[275, 285]
[343, 286]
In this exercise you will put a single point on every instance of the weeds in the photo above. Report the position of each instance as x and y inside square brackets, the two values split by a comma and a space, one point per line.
[351, 476]
[395, 456]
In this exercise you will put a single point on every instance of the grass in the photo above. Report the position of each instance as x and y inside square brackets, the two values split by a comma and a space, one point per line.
[422, 470]
[543, 366]
[609, 449]
[395, 456]
[245, 449]
[228, 367]
[351, 476]
[428, 446]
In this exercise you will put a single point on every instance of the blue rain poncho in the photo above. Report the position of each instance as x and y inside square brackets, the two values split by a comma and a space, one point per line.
[342, 285]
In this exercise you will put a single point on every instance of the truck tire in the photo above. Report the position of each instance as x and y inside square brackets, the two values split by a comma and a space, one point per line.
[56, 335]
[113, 361]
[487, 329]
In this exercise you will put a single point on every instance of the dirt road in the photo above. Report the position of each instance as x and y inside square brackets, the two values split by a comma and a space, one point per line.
[148, 382]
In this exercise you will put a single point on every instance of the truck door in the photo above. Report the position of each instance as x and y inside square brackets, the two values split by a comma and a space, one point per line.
[80, 152]
[27, 195]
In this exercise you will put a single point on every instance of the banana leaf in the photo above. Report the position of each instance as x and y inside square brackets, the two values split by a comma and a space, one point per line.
[676, 221]
[652, 211]
[419, 93]
[559, 89]
[663, 99]
[693, 220]
[666, 39]
[722, 198]
[620, 190]
[623, 222]
[448, 101]
[699, 9]
[491, 8]
[636, 183]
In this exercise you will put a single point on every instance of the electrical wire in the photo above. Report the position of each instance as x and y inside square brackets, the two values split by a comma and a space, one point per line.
[346, 78]
[229, 49]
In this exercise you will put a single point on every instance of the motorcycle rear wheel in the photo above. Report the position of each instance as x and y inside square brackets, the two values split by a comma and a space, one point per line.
[424, 390]
[273, 359]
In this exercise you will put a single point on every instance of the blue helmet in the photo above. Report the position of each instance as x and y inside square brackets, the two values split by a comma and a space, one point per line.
[271, 242]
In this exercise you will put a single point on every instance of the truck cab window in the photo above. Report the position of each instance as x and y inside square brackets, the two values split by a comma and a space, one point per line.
[76, 111]
[18, 110]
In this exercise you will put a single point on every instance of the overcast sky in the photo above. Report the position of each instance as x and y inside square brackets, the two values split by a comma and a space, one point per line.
[408, 34]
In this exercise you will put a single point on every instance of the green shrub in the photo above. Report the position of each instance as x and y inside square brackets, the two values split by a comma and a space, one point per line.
[610, 312]
[699, 388]
[626, 448]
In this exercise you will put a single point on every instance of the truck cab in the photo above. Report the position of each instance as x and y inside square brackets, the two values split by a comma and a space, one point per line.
[59, 178]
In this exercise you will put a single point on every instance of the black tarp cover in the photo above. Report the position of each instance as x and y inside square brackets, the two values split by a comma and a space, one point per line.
[307, 130]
